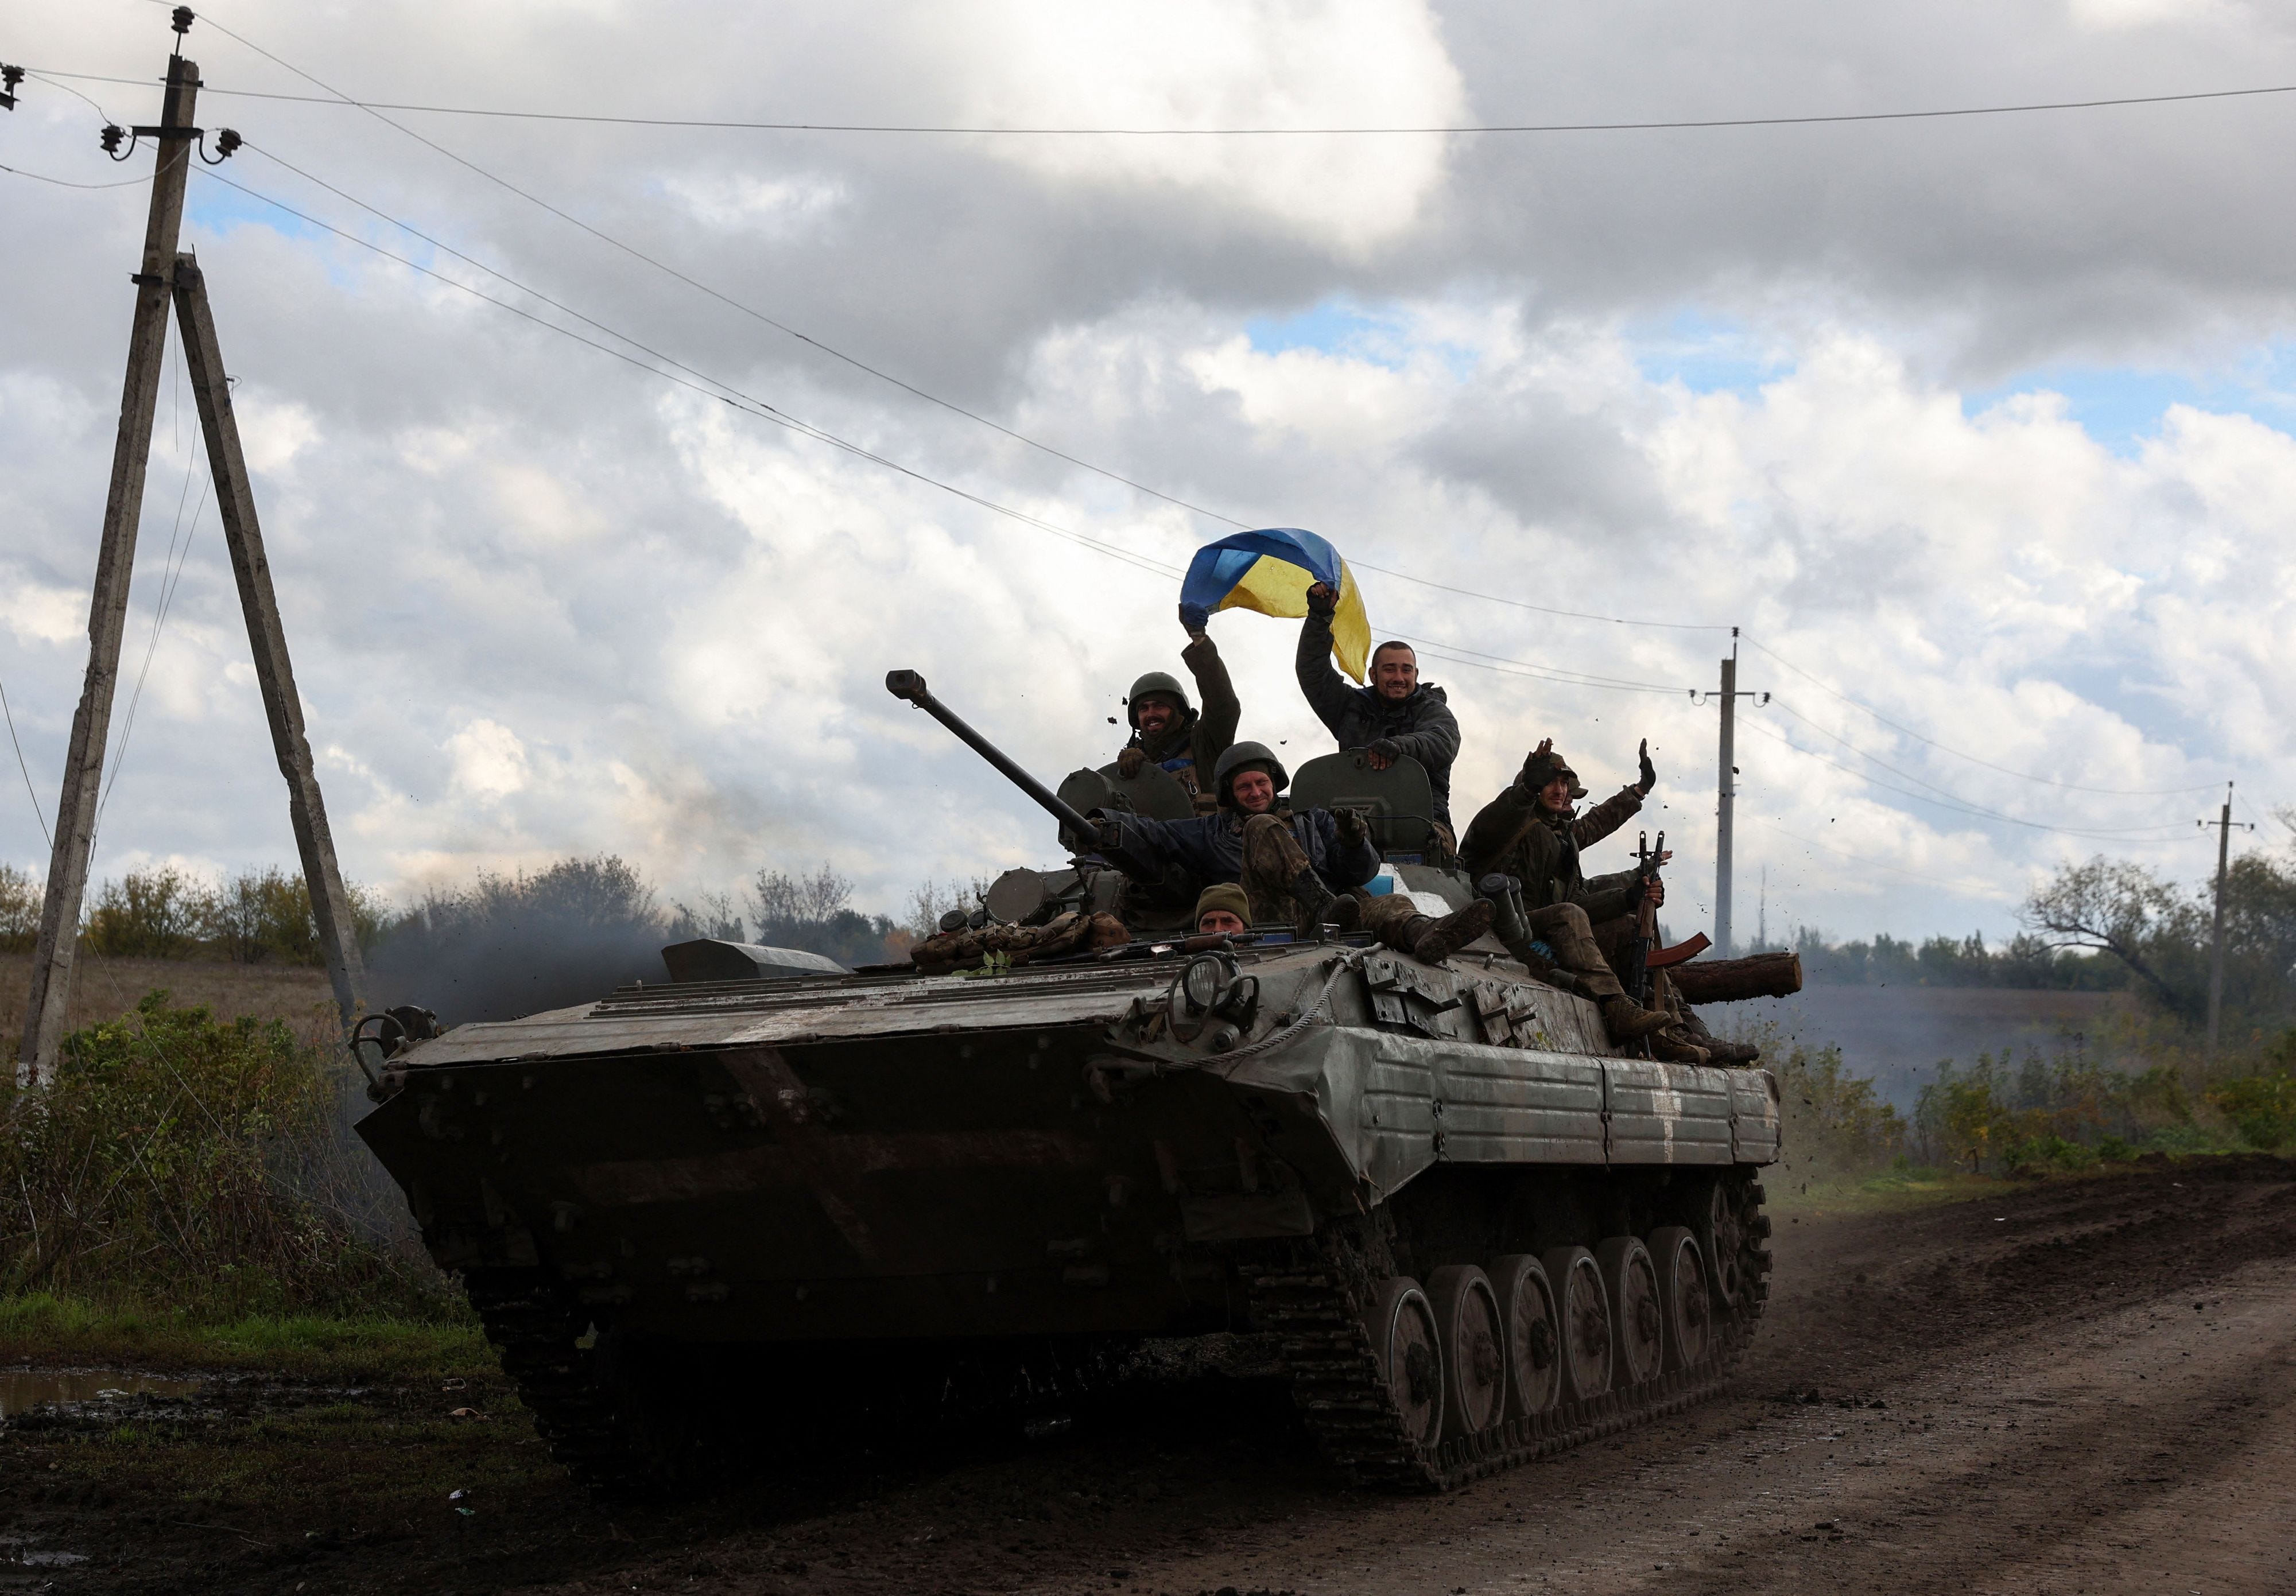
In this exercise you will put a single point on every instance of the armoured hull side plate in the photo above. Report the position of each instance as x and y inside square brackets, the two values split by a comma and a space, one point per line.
[1669, 1113]
[1754, 1123]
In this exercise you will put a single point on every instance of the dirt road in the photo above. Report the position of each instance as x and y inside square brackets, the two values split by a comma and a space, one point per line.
[2081, 1386]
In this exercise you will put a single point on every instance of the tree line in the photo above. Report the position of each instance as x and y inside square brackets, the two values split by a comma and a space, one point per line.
[260, 916]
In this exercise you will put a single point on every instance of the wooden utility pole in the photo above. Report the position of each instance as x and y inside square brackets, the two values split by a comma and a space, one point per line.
[75, 807]
[331, 905]
[2223, 823]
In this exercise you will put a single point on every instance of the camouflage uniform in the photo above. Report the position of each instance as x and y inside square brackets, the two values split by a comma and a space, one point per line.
[1189, 748]
[1589, 921]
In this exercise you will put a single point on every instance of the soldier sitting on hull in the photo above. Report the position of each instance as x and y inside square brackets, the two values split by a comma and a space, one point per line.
[1296, 868]
[1396, 716]
[1167, 732]
[1532, 832]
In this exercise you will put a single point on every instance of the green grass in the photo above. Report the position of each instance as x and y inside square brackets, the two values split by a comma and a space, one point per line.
[42, 1329]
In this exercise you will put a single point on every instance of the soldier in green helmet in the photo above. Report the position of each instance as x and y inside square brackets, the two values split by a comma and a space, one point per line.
[1173, 734]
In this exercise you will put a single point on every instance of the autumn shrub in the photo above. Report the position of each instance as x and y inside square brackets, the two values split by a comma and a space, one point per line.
[182, 1162]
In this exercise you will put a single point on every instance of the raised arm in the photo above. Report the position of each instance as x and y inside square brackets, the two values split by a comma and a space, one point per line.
[1220, 712]
[1327, 691]
[1497, 826]
[1619, 807]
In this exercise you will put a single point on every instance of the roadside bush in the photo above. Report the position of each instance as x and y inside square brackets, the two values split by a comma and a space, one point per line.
[20, 910]
[264, 917]
[148, 914]
[182, 1163]
[1835, 1123]
[2262, 1108]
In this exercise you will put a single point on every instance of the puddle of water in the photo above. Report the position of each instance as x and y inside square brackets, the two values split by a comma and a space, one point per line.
[51, 1559]
[21, 1388]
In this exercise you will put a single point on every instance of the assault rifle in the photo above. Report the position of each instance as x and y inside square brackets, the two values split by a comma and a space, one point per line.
[1647, 861]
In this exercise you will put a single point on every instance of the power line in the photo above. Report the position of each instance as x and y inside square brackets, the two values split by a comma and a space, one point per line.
[1483, 660]
[710, 387]
[2122, 833]
[68, 183]
[1861, 860]
[1429, 130]
[722, 298]
[39, 814]
[836, 354]
[1825, 687]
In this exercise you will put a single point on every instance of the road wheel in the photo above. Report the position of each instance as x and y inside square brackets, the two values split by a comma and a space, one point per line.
[1583, 1312]
[1686, 1321]
[1403, 1337]
[1721, 1234]
[1638, 1326]
[1530, 1342]
[1467, 1325]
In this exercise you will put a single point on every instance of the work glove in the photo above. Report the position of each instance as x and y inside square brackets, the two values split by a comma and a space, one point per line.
[1650, 771]
[1130, 761]
[1354, 828]
[1386, 747]
[1322, 600]
[1195, 617]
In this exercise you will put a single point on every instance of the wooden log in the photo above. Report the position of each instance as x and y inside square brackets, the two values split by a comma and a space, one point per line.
[1735, 980]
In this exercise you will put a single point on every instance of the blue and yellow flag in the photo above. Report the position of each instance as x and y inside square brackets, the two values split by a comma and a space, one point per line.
[1271, 571]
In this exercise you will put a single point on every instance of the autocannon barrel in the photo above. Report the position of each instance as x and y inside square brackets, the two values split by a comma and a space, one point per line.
[910, 686]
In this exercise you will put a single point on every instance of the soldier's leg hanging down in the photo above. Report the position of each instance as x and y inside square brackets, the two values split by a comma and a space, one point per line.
[1283, 886]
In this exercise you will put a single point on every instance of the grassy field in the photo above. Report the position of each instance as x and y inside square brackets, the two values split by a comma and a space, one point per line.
[106, 988]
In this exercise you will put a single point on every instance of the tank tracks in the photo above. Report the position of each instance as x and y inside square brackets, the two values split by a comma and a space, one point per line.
[537, 1328]
[1349, 1406]
[614, 1442]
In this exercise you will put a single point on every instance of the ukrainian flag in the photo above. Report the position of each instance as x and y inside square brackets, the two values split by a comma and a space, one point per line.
[1271, 571]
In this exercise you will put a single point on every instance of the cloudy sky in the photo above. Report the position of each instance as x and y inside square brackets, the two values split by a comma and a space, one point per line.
[1980, 428]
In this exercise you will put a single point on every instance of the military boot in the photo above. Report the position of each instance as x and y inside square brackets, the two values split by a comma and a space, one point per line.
[1431, 941]
[1628, 1020]
[1671, 1046]
[1320, 906]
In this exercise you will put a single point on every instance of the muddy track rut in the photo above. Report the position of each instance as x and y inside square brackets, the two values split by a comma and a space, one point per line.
[2078, 1387]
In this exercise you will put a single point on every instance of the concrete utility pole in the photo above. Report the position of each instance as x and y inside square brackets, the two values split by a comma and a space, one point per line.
[331, 905]
[75, 833]
[2223, 825]
[1726, 792]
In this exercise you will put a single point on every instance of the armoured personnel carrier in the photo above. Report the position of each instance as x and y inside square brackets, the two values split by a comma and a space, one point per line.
[1477, 1233]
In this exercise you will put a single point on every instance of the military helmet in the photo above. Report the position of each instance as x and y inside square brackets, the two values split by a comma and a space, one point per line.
[1155, 681]
[1238, 755]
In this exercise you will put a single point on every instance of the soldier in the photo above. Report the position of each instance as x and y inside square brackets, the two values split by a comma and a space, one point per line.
[1295, 867]
[1397, 716]
[1532, 833]
[1223, 908]
[1169, 731]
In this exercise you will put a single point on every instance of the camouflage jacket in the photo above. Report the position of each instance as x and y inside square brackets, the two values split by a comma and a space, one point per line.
[1210, 848]
[1192, 746]
[1511, 834]
[1421, 725]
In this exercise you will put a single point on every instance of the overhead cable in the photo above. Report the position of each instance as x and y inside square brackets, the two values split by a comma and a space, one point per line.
[1400, 130]
[1831, 691]
[39, 814]
[855, 362]
[2122, 833]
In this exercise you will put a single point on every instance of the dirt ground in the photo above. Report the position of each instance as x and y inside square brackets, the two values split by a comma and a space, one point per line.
[2076, 1386]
